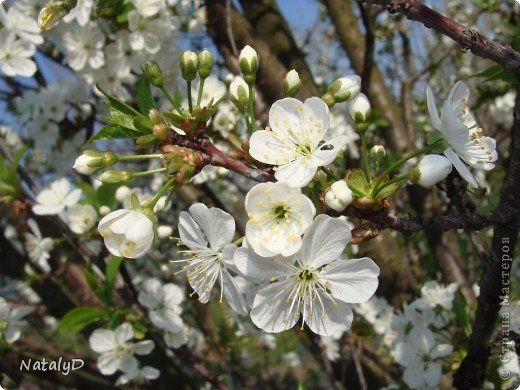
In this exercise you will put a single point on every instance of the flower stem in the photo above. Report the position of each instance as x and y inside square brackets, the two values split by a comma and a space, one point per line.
[364, 155]
[251, 111]
[158, 170]
[239, 241]
[329, 173]
[152, 202]
[190, 103]
[139, 157]
[398, 163]
[199, 95]
[389, 182]
[171, 100]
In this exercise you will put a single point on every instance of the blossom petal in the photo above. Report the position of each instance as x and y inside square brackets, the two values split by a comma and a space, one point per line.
[271, 312]
[109, 363]
[232, 293]
[102, 340]
[143, 347]
[261, 269]
[124, 332]
[324, 156]
[190, 233]
[299, 173]
[352, 281]
[460, 167]
[432, 109]
[218, 225]
[269, 149]
[328, 317]
[324, 241]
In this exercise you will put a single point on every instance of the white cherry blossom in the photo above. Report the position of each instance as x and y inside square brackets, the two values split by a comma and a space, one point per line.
[11, 320]
[296, 142]
[163, 303]
[420, 355]
[85, 47]
[56, 198]
[278, 216]
[127, 233]
[81, 218]
[465, 139]
[314, 284]
[38, 248]
[208, 233]
[25, 27]
[15, 55]
[117, 352]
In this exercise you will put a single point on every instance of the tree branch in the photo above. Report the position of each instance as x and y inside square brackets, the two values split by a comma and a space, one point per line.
[468, 38]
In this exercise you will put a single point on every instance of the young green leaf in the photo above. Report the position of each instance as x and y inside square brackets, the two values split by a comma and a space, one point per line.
[78, 318]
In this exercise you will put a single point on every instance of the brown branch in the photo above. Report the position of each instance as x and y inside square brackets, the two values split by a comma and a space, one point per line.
[213, 156]
[468, 38]
[409, 226]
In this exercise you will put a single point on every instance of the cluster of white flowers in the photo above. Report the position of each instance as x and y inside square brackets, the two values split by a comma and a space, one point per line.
[19, 36]
[118, 354]
[417, 337]
[57, 199]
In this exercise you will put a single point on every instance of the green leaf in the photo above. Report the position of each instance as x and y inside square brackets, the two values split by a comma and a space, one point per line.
[497, 72]
[78, 318]
[358, 183]
[106, 194]
[118, 104]
[94, 284]
[387, 191]
[110, 277]
[145, 100]
[112, 131]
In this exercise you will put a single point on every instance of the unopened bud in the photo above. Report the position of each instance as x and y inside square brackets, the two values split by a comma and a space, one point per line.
[205, 63]
[249, 61]
[161, 131]
[378, 152]
[292, 83]
[93, 161]
[153, 73]
[155, 116]
[344, 88]
[360, 110]
[239, 93]
[111, 176]
[53, 12]
[432, 169]
[189, 65]
[146, 141]
[339, 196]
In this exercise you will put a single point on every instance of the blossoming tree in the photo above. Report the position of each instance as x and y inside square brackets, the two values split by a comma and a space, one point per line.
[210, 194]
